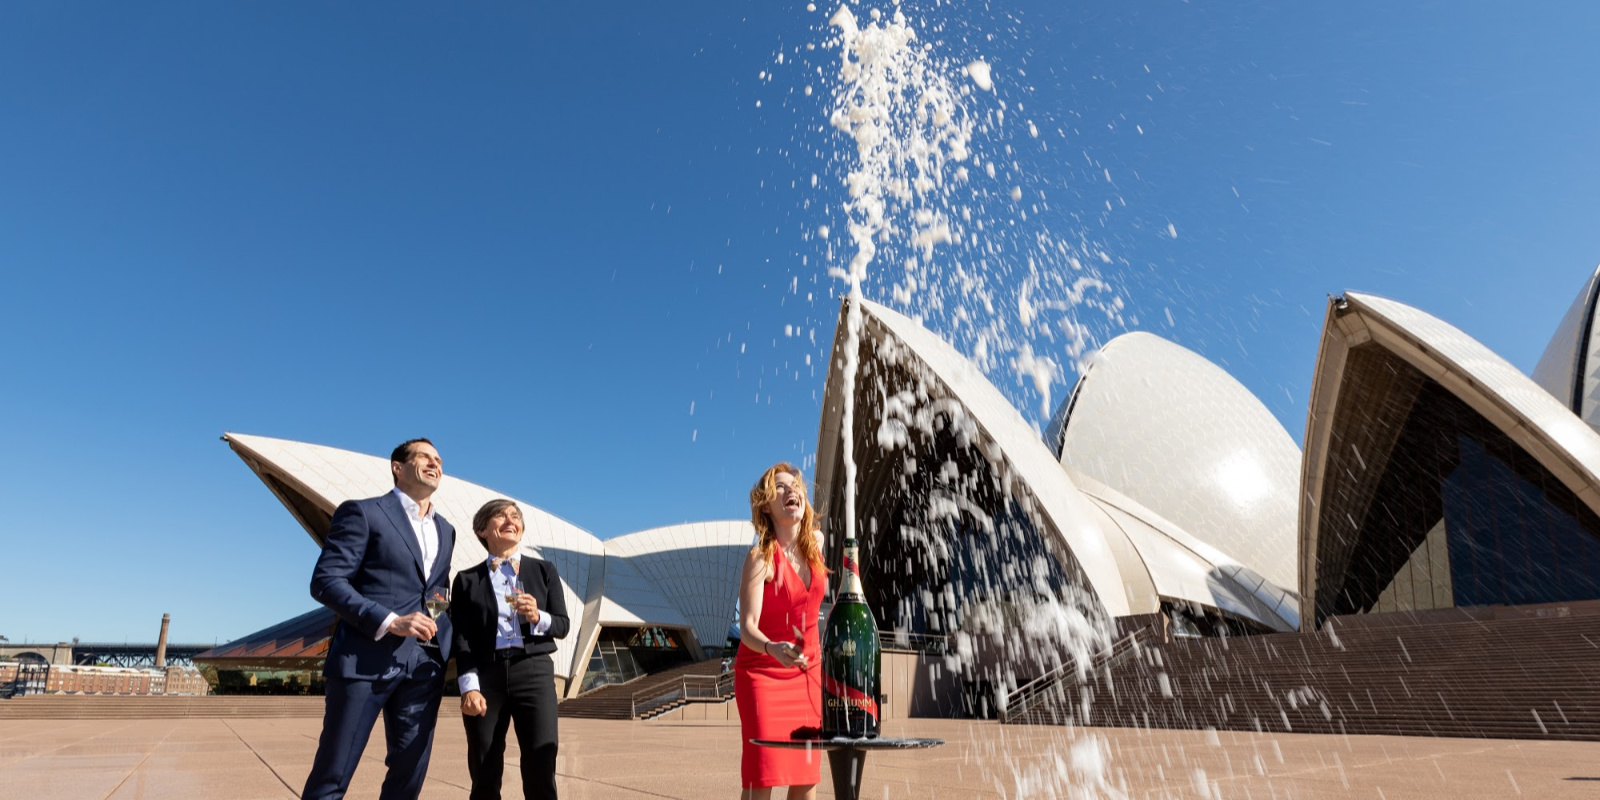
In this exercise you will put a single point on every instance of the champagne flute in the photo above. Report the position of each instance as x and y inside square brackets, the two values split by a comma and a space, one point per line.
[513, 592]
[799, 644]
[437, 602]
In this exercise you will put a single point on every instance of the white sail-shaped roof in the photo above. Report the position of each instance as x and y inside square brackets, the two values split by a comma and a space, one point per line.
[695, 566]
[1060, 506]
[1184, 568]
[1569, 369]
[1162, 425]
[629, 599]
[1133, 557]
[1490, 386]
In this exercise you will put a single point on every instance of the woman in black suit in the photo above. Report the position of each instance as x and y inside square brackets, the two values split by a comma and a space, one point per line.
[507, 613]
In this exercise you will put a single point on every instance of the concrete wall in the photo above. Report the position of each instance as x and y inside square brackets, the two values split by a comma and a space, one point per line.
[726, 711]
[918, 685]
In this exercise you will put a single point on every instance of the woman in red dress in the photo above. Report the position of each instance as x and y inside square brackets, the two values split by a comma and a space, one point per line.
[775, 675]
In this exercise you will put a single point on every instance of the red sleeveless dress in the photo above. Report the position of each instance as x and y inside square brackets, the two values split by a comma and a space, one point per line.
[777, 702]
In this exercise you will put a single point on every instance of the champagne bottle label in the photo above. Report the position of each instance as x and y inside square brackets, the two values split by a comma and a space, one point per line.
[852, 573]
[850, 696]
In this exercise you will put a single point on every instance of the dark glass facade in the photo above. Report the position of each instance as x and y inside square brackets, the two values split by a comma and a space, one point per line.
[943, 535]
[623, 654]
[1407, 458]
[1517, 536]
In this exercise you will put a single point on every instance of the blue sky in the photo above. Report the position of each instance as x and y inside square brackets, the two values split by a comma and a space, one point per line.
[540, 234]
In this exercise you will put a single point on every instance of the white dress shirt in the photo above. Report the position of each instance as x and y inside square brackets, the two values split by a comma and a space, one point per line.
[426, 529]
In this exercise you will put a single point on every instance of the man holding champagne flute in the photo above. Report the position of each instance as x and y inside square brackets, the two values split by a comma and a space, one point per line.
[507, 613]
[383, 559]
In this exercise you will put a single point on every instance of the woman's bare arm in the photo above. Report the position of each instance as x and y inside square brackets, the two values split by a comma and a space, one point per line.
[751, 579]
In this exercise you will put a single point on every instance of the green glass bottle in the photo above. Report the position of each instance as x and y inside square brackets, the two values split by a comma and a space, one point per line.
[851, 660]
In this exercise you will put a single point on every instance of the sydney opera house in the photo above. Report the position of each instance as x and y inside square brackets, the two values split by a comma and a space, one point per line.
[1426, 561]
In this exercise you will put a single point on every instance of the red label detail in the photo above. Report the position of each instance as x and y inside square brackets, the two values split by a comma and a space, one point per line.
[850, 565]
[852, 696]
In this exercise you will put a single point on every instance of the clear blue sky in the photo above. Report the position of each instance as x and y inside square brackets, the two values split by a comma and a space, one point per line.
[540, 233]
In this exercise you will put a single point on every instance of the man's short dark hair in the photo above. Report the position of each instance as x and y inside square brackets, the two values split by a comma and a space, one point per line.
[402, 452]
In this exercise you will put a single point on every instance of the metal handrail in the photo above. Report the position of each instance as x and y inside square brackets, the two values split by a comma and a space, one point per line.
[692, 688]
[932, 643]
[1029, 694]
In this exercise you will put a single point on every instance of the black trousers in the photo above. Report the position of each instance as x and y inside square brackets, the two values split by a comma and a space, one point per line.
[520, 691]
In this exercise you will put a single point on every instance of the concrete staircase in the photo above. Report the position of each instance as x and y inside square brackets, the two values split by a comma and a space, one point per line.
[616, 701]
[55, 706]
[1519, 675]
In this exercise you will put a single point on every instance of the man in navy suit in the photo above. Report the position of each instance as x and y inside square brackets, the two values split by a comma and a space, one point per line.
[383, 557]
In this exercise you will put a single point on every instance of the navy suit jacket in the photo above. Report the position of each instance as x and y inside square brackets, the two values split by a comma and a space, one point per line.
[371, 565]
[475, 612]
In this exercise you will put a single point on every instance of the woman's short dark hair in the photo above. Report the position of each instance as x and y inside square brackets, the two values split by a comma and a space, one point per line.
[480, 520]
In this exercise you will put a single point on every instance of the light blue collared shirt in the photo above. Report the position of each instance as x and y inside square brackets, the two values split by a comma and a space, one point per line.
[507, 632]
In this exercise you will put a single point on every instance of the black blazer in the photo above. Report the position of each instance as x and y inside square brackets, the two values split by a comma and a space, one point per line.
[473, 610]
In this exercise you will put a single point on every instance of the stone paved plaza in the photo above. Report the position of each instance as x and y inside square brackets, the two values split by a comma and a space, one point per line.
[268, 758]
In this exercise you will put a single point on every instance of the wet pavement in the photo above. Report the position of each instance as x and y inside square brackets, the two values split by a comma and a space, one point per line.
[268, 758]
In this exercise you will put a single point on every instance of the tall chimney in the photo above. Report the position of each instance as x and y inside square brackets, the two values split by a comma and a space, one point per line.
[161, 643]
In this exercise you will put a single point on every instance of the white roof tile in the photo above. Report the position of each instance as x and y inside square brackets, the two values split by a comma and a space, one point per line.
[1563, 363]
[695, 566]
[1169, 429]
[1499, 388]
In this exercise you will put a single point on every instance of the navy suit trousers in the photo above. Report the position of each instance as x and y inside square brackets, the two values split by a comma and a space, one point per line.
[408, 699]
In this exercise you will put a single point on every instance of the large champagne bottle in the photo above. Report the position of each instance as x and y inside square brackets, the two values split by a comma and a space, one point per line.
[850, 659]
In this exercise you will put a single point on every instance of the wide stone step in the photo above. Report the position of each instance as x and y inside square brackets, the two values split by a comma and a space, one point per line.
[1522, 678]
